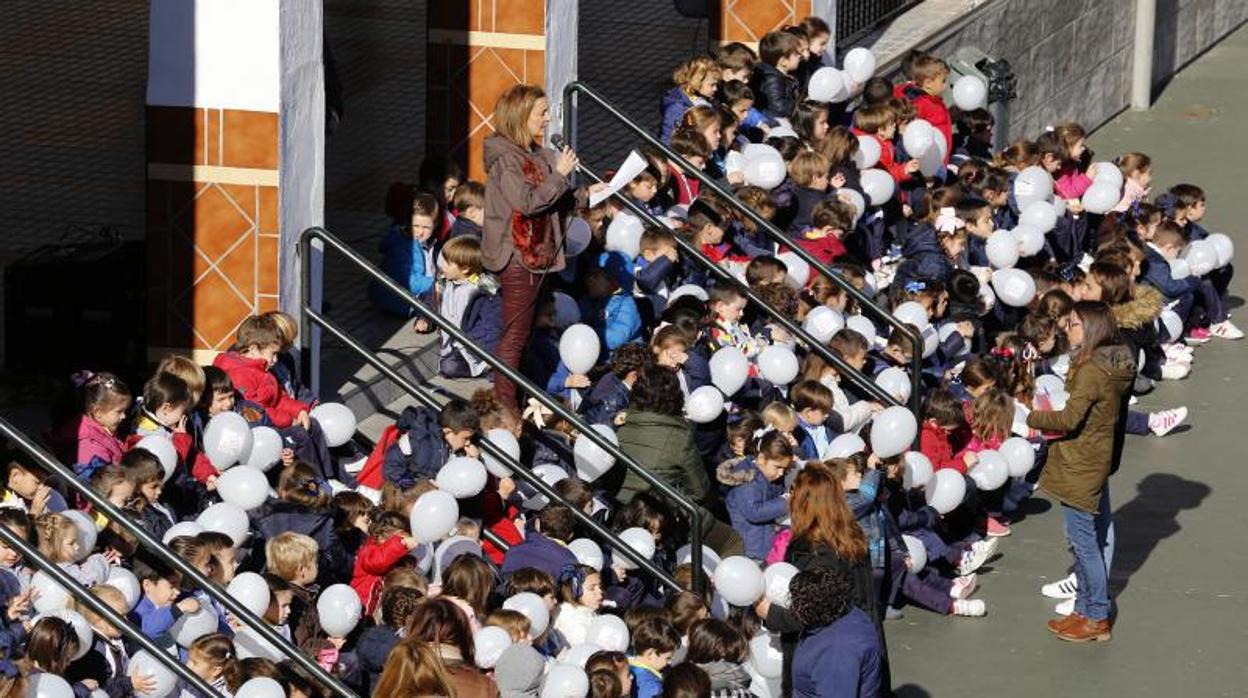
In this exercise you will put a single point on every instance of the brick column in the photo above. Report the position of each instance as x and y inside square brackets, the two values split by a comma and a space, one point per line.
[748, 21]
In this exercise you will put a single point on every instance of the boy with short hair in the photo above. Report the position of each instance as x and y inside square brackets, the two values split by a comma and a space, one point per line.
[470, 300]
[880, 121]
[657, 267]
[773, 83]
[23, 483]
[166, 400]
[428, 440]
[292, 557]
[829, 223]
[813, 402]
[977, 214]
[407, 250]
[736, 61]
[809, 171]
[931, 75]
[164, 601]
[470, 211]
[654, 642]
[247, 365]
[609, 307]
[608, 400]
[1167, 243]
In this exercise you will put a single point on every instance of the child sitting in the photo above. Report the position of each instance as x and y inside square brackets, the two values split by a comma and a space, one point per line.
[656, 268]
[429, 439]
[607, 401]
[773, 84]
[880, 122]
[468, 299]
[546, 546]
[693, 147]
[407, 250]
[727, 306]
[58, 541]
[654, 642]
[375, 642]
[580, 587]
[106, 659]
[248, 364]
[943, 422]
[696, 81]
[292, 558]
[303, 506]
[756, 498]
[829, 223]
[930, 75]
[24, 486]
[103, 400]
[166, 402]
[809, 172]
[813, 402]
[163, 599]
[470, 211]
[388, 543]
[213, 659]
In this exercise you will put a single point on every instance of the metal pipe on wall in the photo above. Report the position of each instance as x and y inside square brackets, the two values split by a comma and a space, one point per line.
[1142, 55]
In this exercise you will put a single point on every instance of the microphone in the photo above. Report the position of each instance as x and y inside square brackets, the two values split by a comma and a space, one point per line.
[557, 141]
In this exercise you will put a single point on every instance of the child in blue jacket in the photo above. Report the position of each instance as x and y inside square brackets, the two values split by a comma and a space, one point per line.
[470, 299]
[609, 307]
[756, 498]
[407, 249]
[608, 399]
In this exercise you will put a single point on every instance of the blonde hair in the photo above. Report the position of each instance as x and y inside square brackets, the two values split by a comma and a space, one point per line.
[54, 532]
[697, 70]
[286, 326]
[511, 113]
[807, 167]
[515, 623]
[110, 595]
[190, 372]
[779, 416]
[287, 552]
[700, 118]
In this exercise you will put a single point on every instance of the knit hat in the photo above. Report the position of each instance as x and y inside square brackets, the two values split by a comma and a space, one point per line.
[518, 672]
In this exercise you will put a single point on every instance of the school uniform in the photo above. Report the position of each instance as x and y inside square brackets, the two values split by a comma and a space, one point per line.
[775, 94]
[607, 398]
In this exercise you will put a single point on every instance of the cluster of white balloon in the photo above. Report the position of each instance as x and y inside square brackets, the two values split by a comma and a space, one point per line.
[1203, 256]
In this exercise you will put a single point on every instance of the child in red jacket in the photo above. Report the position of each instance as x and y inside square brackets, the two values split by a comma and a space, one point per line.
[930, 74]
[248, 364]
[944, 424]
[829, 223]
[388, 542]
[880, 122]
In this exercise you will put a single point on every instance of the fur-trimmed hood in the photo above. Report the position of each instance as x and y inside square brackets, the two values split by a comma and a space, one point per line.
[1140, 310]
[736, 471]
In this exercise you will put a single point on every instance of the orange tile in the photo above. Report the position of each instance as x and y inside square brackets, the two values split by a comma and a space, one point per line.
[244, 195]
[213, 222]
[268, 303]
[513, 58]
[217, 310]
[489, 77]
[478, 15]
[250, 139]
[268, 264]
[535, 68]
[239, 266]
[520, 16]
[268, 212]
[757, 17]
[175, 135]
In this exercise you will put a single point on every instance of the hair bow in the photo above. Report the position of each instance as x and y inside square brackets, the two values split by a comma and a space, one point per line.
[1003, 353]
[760, 433]
[1030, 353]
[915, 286]
[947, 220]
[572, 574]
[1067, 272]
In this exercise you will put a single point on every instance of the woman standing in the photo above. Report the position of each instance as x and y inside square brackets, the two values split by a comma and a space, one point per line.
[528, 195]
[1079, 465]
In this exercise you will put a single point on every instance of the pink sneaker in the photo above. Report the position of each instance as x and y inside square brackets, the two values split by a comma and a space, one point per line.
[963, 586]
[997, 529]
[1198, 336]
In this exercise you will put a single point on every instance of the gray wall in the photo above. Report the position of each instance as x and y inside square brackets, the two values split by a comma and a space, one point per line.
[1073, 57]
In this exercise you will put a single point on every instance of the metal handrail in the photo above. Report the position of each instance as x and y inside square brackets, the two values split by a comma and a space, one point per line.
[855, 376]
[167, 556]
[322, 235]
[84, 596]
[426, 397]
[916, 340]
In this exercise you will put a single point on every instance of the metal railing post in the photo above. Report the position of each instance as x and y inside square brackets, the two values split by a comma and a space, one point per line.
[167, 556]
[84, 596]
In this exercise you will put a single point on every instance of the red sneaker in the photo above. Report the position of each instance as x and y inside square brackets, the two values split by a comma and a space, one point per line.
[1198, 336]
[997, 529]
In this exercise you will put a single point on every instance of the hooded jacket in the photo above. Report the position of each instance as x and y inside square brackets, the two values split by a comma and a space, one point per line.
[664, 445]
[754, 504]
[1136, 319]
[1092, 421]
[924, 259]
[276, 516]
[511, 188]
[673, 107]
[419, 452]
[843, 659]
[251, 377]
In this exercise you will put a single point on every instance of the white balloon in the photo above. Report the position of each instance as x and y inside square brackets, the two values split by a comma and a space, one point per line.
[533, 608]
[1032, 184]
[916, 470]
[1019, 455]
[592, 460]
[51, 596]
[567, 312]
[1039, 214]
[1224, 246]
[892, 431]
[565, 681]
[462, 477]
[868, 153]
[729, 370]
[949, 329]
[182, 528]
[507, 443]
[577, 237]
[339, 610]
[896, 382]
[45, 685]
[827, 84]
[710, 559]
[1106, 172]
[912, 312]
[266, 448]
[931, 341]
[337, 421]
[1179, 269]
[250, 590]
[587, 553]
[932, 161]
[846, 445]
[578, 655]
[246, 488]
[1014, 287]
[946, 490]
[991, 471]
[189, 627]
[249, 644]
[82, 629]
[161, 446]
[608, 632]
[766, 656]
[1172, 323]
[579, 348]
[226, 518]
[764, 167]
[704, 404]
[688, 290]
[624, 235]
[87, 532]
[641, 541]
[878, 185]
[863, 326]
[822, 323]
[776, 579]
[434, 515]
[1101, 197]
[227, 440]
[916, 552]
[739, 580]
[797, 271]
[1002, 249]
[854, 198]
[123, 580]
[970, 93]
[144, 664]
[488, 645]
[260, 687]
[1030, 239]
[778, 364]
[919, 136]
[1201, 257]
[1049, 383]
[859, 64]
[551, 475]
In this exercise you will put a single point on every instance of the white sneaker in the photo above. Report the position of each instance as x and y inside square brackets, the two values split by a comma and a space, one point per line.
[1177, 351]
[971, 608]
[1065, 608]
[1164, 422]
[1132, 400]
[964, 586]
[1226, 330]
[980, 552]
[1175, 371]
[1061, 589]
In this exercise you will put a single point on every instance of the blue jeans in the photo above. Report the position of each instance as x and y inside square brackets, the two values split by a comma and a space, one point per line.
[1087, 538]
[1105, 529]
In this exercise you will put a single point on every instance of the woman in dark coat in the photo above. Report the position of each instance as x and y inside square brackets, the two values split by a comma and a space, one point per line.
[825, 534]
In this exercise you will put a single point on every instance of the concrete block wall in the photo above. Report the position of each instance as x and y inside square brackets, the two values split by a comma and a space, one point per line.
[1073, 57]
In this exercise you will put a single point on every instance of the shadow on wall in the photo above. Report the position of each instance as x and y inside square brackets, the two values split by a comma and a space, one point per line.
[1165, 45]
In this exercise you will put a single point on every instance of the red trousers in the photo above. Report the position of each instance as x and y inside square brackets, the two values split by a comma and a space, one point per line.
[520, 289]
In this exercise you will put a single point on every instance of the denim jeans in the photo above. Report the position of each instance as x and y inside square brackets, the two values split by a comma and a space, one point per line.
[1092, 599]
[1137, 422]
[1105, 529]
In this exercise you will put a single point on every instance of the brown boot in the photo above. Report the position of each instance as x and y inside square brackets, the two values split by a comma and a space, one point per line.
[1057, 625]
[1085, 630]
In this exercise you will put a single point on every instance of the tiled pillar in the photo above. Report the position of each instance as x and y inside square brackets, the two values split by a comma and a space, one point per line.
[748, 21]
[477, 49]
[213, 143]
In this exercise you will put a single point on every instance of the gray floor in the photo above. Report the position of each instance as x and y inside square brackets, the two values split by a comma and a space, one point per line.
[1179, 502]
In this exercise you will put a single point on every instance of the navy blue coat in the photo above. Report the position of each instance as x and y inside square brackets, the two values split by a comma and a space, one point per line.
[673, 106]
[806, 199]
[754, 504]
[924, 259]
[1069, 238]
[1157, 273]
[539, 552]
[372, 650]
[429, 451]
[463, 226]
[607, 398]
[775, 94]
[275, 517]
[483, 320]
[841, 660]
